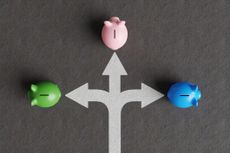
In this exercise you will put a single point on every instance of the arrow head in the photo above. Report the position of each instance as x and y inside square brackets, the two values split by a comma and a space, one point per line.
[114, 67]
[150, 95]
[80, 95]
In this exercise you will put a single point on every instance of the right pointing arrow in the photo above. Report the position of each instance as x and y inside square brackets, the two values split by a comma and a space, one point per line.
[146, 95]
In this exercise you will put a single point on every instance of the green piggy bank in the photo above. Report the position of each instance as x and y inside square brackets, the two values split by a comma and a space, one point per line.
[44, 94]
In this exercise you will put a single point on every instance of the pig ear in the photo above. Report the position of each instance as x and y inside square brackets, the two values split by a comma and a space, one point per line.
[34, 88]
[195, 102]
[107, 23]
[122, 23]
[34, 102]
[194, 87]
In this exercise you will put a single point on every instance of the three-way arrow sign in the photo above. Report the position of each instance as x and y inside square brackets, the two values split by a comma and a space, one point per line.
[114, 99]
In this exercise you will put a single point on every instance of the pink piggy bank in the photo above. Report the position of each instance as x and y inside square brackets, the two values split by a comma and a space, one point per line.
[114, 33]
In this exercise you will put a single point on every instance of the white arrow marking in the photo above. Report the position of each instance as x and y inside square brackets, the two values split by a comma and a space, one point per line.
[83, 95]
[114, 70]
[114, 99]
[146, 95]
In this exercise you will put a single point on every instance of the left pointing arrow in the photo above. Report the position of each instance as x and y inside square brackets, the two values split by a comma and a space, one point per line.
[83, 95]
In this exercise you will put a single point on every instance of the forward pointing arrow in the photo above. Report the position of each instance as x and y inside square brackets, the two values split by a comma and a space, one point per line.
[114, 70]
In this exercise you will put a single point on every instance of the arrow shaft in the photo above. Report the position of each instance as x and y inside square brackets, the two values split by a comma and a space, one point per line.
[97, 95]
[114, 129]
[114, 84]
[132, 95]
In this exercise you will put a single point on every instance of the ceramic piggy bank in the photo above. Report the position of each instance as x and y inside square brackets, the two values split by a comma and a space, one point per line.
[44, 94]
[114, 33]
[184, 94]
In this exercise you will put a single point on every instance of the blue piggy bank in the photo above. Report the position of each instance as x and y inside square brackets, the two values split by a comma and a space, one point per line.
[184, 94]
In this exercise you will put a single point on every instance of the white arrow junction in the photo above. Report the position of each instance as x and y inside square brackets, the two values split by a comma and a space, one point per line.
[114, 99]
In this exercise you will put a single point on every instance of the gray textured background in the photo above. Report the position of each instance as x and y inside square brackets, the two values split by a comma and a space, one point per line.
[169, 41]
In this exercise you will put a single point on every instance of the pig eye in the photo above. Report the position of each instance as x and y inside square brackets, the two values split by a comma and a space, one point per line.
[108, 23]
